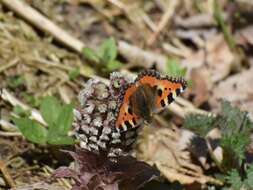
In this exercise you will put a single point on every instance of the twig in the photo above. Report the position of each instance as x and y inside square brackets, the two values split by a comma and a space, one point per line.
[170, 49]
[7, 126]
[142, 14]
[148, 21]
[10, 134]
[196, 21]
[118, 4]
[49, 171]
[164, 21]
[176, 109]
[210, 150]
[8, 65]
[43, 23]
[141, 57]
[6, 174]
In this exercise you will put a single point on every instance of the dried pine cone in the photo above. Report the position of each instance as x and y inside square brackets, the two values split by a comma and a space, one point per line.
[94, 124]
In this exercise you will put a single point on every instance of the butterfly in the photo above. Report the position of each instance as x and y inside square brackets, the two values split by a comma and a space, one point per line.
[149, 94]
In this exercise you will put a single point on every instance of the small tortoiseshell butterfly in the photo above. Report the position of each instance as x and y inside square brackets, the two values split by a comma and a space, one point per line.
[149, 94]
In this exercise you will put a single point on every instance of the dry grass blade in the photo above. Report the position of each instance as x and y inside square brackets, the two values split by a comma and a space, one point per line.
[164, 21]
[6, 174]
[8, 65]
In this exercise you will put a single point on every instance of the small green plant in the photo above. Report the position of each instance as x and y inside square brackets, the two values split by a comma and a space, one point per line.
[105, 57]
[237, 182]
[235, 127]
[74, 73]
[173, 68]
[15, 81]
[222, 24]
[199, 123]
[58, 117]
[234, 124]
[33, 101]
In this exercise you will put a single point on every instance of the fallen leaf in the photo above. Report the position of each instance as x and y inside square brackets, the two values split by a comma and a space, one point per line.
[236, 89]
[201, 85]
[166, 149]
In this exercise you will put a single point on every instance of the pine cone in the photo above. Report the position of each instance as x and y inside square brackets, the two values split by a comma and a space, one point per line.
[94, 124]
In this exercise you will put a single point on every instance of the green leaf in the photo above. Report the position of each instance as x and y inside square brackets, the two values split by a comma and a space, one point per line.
[235, 127]
[58, 133]
[108, 50]
[174, 69]
[73, 74]
[218, 16]
[15, 81]
[249, 180]
[91, 55]
[50, 109]
[33, 101]
[201, 124]
[234, 179]
[60, 140]
[32, 130]
[234, 148]
[62, 124]
[113, 65]
[64, 120]
[21, 112]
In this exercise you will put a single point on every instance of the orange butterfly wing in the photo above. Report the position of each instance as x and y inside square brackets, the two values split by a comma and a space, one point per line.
[167, 89]
[126, 119]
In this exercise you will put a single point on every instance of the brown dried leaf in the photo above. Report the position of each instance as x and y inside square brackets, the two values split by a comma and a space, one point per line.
[245, 36]
[215, 56]
[202, 85]
[236, 89]
[219, 58]
[166, 149]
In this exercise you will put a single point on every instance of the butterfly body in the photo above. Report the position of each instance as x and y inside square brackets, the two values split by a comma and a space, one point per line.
[149, 94]
[142, 102]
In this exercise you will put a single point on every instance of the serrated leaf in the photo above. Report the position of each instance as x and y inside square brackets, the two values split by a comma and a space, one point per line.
[234, 148]
[234, 179]
[249, 180]
[235, 126]
[108, 50]
[113, 65]
[32, 130]
[174, 69]
[91, 55]
[201, 124]
[50, 109]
